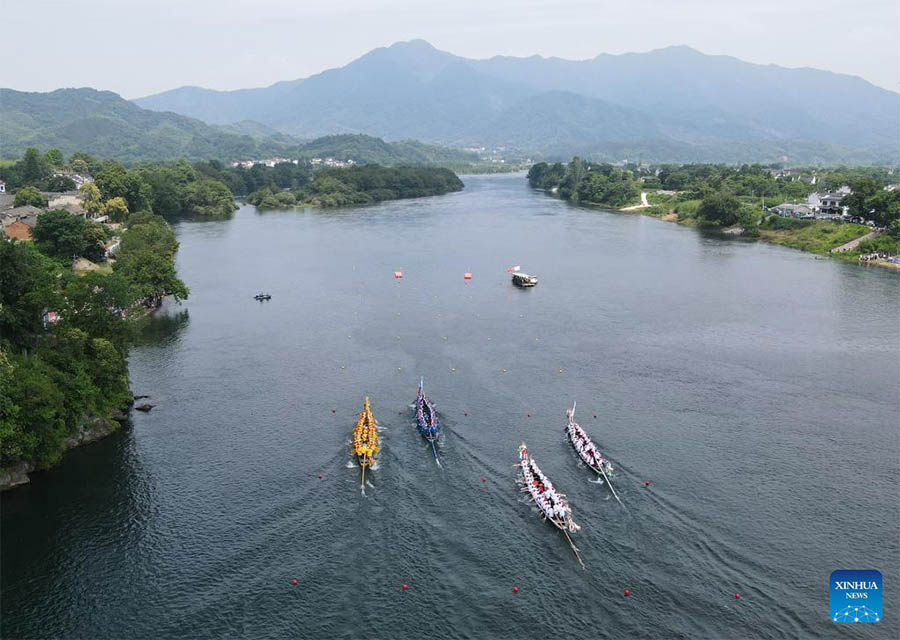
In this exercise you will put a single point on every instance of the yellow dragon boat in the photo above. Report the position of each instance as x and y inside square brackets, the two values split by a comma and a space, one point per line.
[365, 440]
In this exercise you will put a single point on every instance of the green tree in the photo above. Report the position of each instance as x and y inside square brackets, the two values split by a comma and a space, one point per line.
[208, 198]
[91, 200]
[94, 241]
[32, 167]
[114, 181]
[29, 195]
[116, 209]
[96, 303]
[59, 234]
[54, 158]
[719, 208]
[10, 425]
[28, 285]
[59, 183]
[40, 433]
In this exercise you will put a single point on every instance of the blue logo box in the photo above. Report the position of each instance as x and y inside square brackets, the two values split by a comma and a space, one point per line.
[855, 596]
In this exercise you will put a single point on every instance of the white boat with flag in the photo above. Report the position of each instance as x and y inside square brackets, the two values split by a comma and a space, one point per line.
[588, 451]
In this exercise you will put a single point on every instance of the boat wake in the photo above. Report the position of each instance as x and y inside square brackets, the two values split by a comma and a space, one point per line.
[375, 466]
[350, 464]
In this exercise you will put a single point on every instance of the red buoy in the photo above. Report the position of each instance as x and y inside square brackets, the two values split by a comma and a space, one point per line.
[484, 479]
[737, 596]
[467, 275]
[646, 483]
[294, 582]
[332, 411]
[627, 592]
[527, 415]
[320, 476]
[465, 413]
[595, 416]
[403, 586]
[515, 589]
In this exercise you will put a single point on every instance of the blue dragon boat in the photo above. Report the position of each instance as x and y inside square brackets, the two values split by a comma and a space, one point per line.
[426, 418]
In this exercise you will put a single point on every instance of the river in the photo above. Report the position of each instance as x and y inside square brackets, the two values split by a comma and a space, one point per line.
[754, 386]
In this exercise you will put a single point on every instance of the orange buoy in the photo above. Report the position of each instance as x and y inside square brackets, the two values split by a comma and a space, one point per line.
[467, 275]
[627, 592]
[294, 582]
[398, 275]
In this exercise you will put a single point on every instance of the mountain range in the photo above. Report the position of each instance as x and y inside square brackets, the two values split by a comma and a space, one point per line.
[104, 124]
[669, 104]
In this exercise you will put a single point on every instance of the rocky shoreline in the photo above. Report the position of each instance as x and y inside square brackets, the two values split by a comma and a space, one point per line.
[91, 430]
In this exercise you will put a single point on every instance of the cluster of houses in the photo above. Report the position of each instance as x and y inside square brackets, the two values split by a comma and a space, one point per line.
[17, 223]
[270, 162]
[825, 206]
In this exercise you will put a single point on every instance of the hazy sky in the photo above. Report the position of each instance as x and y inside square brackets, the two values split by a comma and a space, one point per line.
[139, 47]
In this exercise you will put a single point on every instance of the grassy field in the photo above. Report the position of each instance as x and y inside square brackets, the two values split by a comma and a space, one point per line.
[821, 236]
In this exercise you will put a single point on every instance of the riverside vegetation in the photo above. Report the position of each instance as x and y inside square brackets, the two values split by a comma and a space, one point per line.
[732, 197]
[356, 185]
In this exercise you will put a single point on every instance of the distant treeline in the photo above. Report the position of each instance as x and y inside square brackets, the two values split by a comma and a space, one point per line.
[358, 185]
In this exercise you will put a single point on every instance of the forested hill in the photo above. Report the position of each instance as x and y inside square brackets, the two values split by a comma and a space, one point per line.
[370, 150]
[672, 104]
[104, 124]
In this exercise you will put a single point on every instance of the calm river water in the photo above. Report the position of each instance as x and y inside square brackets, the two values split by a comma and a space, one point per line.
[755, 387]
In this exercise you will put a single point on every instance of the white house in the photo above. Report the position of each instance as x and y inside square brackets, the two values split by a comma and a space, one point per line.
[2, 187]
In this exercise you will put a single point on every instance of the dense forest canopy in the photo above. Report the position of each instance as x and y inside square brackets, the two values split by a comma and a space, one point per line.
[360, 185]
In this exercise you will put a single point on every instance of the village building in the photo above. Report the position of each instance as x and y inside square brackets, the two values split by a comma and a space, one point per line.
[19, 222]
[2, 187]
[787, 210]
[830, 205]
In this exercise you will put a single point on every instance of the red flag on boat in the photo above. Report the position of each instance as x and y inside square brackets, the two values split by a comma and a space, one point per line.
[398, 274]
[512, 269]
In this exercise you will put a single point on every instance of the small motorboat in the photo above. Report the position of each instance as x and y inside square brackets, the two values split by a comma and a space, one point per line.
[523, 279]
[262, 296]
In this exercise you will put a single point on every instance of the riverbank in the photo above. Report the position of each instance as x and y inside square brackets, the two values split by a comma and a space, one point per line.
[840, 240]
[91, 430]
